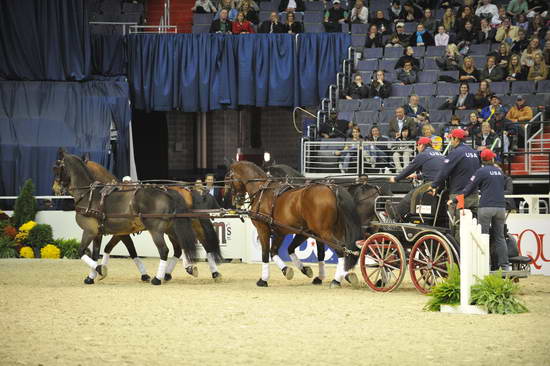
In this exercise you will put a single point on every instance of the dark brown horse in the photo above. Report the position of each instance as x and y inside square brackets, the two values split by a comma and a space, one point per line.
[326, 211]
[203, 228]
[138, 208]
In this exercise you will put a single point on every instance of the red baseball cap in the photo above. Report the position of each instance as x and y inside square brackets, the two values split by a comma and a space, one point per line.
[458, 133]
[424, 141]
[487, 155]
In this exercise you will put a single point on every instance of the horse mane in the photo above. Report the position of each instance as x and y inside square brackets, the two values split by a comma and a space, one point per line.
[99, 172]
[283, 170]
[250, 165]
[81, 164]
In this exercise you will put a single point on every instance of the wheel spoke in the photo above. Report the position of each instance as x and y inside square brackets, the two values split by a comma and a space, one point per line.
[392, 267]
[420, 261]
[373, 252]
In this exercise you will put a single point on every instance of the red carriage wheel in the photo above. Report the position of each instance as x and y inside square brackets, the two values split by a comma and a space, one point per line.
[428, 261]
[382, 262]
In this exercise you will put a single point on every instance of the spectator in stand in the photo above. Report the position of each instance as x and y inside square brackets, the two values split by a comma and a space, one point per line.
[464, 99]
[528, 56]
[375, 154]
[335, 128]
[408, 56]
[546, 52]
[413, 108]
[442, 37]
[449, 19]
[358, 89]
[203, 6]
[251, 4]
[291, 6]
[488, 11]
[467, 15]
[411, 12]
[383, 24]
[399, 38]
[520, 112]
[517, 7]
[486, 138]
[241, 25]
[522, 22]
[402, 153]
[335, 17]
[486, 33]
[379, 88]
[429, 131]
[474, 125]
[492, 72]
[502, 55]
[521, 44]
[421, 38]
[228, 5]
[400, 121]
[501, 16]
[537, 28]
[396, 12]
[292, 26]
[466, 37]
[421, 119]
[211, 189]
[468, 72]
[488, 113]
[374, 38]
[515, 70]
[349, 153]
[483, 95]
[359, 13]
[249, 13]
[446, 130]
[221, 25]
[429, 22]
[537, 6]
[273, 25]
[407, 75]
[506, 32]
[539, 70]
[451, 61]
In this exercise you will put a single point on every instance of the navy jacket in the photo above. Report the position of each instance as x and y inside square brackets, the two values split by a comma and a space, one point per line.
[459, 166]
[429, 162]
[490, 181]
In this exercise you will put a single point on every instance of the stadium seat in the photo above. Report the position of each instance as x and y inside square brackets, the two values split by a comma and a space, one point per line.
[438, 116]
[535, 100]
[435, 51]
[313, 17]
[371, 53]
[464, 114]
[201, 28]
[202, 19]
[359, 28]
[543, 86]
[346, 116]
[269, 6]
[453, 74]
[394, 102]
[474, 87]
[500, 87]
[522, 87]
[314, 28]
[367, 65]
[419, 51]
[371, 104]
[393, 52]
[386, 115]
[424, 90]
[447, 89]
[391, 76]
[427, 77]
[387, 64]
[366, 117]
[436, 102]
[479, 49]
[430, 64]
[299, 17]
[365, 129]
[318, 6]
[367, 76]
[264, 15]
[401, 90]
[358, 41]
[410, 27]
[345, 105]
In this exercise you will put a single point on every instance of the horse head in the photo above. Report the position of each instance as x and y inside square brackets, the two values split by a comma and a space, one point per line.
[61, 180]
[69, 171]
[241, 174]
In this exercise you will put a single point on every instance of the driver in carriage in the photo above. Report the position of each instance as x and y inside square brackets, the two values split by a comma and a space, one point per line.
[429, 162]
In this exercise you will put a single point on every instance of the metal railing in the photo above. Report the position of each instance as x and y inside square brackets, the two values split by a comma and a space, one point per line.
[340, 157]
[125, 25]
[163, 26]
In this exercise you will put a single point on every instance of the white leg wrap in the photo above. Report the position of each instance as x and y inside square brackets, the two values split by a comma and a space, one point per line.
[184, 261]
[89, 261]
[105, 259]
[161, 270]
[298, 263]
[279, 262]
[140, 266]
[93, 274]
[171, 265]
[340, 273]
[322, 272]
[212, 262]
[265, 271]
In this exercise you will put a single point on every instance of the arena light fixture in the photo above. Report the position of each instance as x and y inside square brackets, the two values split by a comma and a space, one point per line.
[267, 157]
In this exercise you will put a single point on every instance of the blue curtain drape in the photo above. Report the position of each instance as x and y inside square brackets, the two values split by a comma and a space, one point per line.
[44, 40]
[109, 55]
[36, 118]
[319, 58]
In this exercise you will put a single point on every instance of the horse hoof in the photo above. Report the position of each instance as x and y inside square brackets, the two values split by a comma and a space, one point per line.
[288, 272]
[307, 271]
[261, 283]
[317, 281]
[89, 281]
[155, 281]
[145, 278]
[192, 270]
[352, 279]
[217, 276]
[167, 276]
[102, 271]
[335, 284]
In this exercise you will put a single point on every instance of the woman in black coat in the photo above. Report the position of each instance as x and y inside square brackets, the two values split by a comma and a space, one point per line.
[464, 99]
[358, 89]
[407, 56]
[374, 39]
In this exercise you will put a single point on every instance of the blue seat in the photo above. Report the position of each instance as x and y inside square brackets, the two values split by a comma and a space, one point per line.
[393, 52]
[269, 6]
[365, 129]
[543, 86]
[474, 87]
[394, 102]
[201, 28]
[366, 75]
[419, 51]
[387, 64]
[479, 49]
[438, 116]
[424, 90]
[367, 65]
[359, 28]
[346, 116]
[410, 27]
[264, 15]
[453, 74]
[522, 87]
[358, 41]
[435, 51]
[366, 117]
[502, 87]
[345, 105]
[401, 90]
[202, 19]
[430, 64]
[535, 100]
[464, 114]
[390, 76]
[371, 53]
[313, 17]
[427, 77]
[371, 104]
[314, 6]
[479, 61]
[435, 102]
[314, 28]
[386, 115]
[447, 89]
[299, 17]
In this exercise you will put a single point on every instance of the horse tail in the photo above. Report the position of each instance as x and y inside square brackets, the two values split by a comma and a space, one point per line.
[349, 219]
[182, 227]
[211, 240]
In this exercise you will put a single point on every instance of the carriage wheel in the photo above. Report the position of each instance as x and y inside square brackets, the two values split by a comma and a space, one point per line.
[382, 261]
[428, 261]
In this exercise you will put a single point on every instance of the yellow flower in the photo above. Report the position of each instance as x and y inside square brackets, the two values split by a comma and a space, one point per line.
[50, 251]
[21, 236]
[26, 227]
[26, 252]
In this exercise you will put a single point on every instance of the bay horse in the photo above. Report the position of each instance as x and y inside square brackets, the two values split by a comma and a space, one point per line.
[139, 208]
[363, 195]
[326, 211]
[203, 229]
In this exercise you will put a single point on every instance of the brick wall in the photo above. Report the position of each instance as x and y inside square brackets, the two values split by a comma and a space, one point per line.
[181, 146]
[279, 136]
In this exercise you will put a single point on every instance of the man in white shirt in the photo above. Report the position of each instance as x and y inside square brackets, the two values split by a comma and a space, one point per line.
[488, 8]
[359, 13]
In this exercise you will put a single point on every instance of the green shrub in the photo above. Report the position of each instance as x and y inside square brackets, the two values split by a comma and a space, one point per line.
[68, 247]
[446, 292]
[498, 295]
[7, 249]
[25, 205]
[40, 236]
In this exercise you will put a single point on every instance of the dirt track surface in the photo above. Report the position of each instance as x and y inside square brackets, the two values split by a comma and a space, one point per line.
[49, 317]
